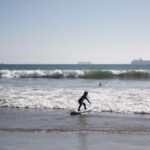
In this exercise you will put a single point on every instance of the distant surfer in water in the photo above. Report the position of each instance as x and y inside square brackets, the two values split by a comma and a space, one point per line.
[100, 84]
[82, 98]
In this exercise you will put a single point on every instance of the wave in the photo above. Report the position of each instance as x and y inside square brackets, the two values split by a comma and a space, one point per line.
[103, 107]
[41, 73]
[135, 101]
[86, 74]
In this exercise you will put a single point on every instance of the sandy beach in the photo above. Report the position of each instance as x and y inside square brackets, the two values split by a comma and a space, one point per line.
[57, 130]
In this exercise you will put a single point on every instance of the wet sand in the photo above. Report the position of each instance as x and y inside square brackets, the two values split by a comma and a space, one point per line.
[72, 141]
[22, 129]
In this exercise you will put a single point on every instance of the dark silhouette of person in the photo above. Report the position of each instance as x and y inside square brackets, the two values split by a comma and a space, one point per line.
[100, 84]
[82, 98]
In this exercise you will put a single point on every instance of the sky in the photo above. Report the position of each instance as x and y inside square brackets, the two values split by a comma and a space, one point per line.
[69, 31]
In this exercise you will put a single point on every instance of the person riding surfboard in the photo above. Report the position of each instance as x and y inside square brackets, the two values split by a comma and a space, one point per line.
[81, 99]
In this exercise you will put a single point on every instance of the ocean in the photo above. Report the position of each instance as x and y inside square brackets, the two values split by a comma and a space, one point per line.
[124, 88]
[36, 101]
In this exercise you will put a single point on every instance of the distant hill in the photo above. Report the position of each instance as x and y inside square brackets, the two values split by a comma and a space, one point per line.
[141, 61]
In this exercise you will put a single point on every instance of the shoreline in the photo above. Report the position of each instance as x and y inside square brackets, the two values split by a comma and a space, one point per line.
[66, 130]
[56, 129]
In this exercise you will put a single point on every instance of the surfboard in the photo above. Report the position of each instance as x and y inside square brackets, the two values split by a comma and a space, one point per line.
[80, 112]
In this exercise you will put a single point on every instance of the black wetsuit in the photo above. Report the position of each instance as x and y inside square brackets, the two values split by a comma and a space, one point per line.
[81, 102]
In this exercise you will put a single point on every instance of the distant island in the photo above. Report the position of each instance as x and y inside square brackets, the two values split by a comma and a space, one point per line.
[140, 61]
[84, 62]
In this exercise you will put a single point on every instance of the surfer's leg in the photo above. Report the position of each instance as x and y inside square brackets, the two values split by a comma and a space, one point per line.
[84, 105]
[79, 107]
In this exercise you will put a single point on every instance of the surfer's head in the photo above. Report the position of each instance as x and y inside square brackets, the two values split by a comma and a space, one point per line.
[85, 93]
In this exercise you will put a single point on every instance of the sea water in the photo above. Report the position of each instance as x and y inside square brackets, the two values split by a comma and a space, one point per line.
[123, 89]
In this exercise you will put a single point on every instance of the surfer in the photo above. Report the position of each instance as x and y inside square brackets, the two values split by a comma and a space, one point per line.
[100, 84]
[82, 98]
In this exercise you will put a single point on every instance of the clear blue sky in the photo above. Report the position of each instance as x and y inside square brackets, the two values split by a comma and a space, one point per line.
[68, 31]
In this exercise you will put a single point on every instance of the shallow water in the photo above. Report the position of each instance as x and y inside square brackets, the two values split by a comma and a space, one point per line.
[53, 120]
[56, 129]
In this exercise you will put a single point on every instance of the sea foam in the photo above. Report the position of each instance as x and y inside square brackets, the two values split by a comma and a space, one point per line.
[103, 100]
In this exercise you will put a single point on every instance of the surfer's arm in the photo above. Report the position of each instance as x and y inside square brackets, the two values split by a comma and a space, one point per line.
[88, 100]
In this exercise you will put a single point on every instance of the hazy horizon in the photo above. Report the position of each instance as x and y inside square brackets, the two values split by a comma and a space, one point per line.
[68, 31]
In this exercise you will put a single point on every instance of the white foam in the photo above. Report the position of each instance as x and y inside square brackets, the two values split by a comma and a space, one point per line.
[40, 73]
[105, 99]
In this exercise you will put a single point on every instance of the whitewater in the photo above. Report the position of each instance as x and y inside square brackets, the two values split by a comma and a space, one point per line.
[124, 89]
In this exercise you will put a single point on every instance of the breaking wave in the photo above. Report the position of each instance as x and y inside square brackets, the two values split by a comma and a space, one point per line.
[135, 101]
[86, 74]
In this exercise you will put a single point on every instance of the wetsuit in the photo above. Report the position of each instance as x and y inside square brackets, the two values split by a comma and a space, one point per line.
[81, 102]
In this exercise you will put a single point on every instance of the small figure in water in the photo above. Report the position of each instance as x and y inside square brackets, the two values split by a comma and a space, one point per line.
[82, 98]
[100, 84]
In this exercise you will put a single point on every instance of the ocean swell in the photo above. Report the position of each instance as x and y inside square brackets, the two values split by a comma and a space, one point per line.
[86, 74]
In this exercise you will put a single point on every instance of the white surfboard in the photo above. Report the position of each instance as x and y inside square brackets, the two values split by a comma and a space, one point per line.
[81, 111]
